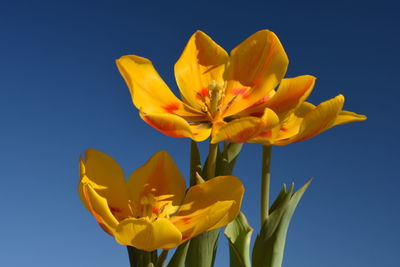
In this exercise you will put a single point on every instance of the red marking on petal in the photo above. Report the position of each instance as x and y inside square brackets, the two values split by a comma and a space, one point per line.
[94, 213]
[203, 93]
[114, 209]
[171, 107]
[267, 134]
[284, 129]
[164, 128]
[186, 220]
[185, 237]
[155, 210]
[262, 100]
[239, 91]
[244, 135]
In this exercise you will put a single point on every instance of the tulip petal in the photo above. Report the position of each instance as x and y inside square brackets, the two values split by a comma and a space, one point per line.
[243, 129]
[266, 137]
[201, 62]
[107, 178]
[256, 67]
[149, 92]
[146, 235]
[202, 220]
[217, 201]
[158, 177]
[99, 208]
[309, 121]
[321, 118]
[290, 95]
[347, 117]
[175, 126]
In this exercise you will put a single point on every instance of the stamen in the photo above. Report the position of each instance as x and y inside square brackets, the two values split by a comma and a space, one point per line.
[204, 108]
[216, 92]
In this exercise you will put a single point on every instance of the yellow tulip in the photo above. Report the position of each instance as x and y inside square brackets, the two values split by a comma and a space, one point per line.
[306, 121]
[152, 209]
[231, 97]
[214, 87]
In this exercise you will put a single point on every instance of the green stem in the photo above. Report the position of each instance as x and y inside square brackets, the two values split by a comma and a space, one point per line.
[161, 259]
[211, 161]
[134, 256]
[147, 258]
[195, 164]
[265, 183]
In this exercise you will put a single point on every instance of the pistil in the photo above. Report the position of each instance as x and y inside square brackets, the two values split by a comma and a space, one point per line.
[216, 92]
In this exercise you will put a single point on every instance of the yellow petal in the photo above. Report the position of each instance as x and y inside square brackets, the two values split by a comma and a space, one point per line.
[201, 62]
[217, 201]
[146, 235]
[98, 206]
[149, 92]
[256, 67]
[175, 126]
[290, 127]
[243, 129]
[202, 220]
[80, 185]
[159, 176]
[321, 118]
[347, 117]
[291, 94]
[266, 137]
[107, 178]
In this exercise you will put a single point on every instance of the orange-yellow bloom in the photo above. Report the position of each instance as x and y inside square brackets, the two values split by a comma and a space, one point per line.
[152, 210]
[230, 97]
[306, 121]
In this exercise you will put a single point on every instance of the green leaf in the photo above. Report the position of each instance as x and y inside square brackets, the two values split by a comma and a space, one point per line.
[270, 242]
[202, 249]
[179, 257]
[219, 170]
[238, 234]
[229, 156]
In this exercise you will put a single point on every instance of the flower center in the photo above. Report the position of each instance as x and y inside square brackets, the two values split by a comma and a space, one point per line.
[216, 92]
[153, 207]
[211, 98]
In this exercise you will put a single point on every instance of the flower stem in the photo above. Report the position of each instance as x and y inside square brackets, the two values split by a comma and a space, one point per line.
[211, 161]
[265, 183]
[161, 259]
[195, 164]
[134, 256]
[148, 258]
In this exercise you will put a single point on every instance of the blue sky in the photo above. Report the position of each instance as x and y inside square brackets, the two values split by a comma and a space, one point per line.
[61, 93]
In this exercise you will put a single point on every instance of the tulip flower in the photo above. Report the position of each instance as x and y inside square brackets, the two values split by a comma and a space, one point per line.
[231, 97]
[153, 209]
[214, 86]
[302, 122]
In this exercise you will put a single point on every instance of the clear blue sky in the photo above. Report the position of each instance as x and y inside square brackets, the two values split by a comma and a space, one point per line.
[61, 93]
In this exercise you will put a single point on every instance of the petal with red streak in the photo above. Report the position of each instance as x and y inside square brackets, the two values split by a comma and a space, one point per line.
[149, 92]
[257, 64]
[201, 62]
[175, 126]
